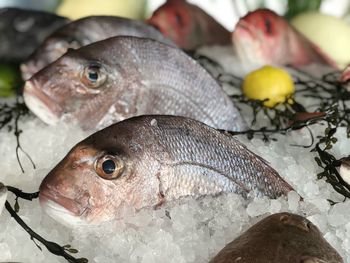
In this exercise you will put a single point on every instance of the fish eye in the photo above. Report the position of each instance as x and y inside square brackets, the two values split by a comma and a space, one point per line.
[109, 167]
[94, 76]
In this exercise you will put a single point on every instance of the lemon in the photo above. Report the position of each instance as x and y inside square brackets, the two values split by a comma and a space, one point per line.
[274, 84]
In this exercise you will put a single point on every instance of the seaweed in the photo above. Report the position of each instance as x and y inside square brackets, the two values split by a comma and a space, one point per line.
[10, 115]
[330, 109]
[53, 247]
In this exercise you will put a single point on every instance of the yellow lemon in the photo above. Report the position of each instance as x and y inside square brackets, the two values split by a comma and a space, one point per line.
[274, 84]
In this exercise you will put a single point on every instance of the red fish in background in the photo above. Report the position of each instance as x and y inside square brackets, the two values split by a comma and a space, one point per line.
[188, 25]
[263, 37]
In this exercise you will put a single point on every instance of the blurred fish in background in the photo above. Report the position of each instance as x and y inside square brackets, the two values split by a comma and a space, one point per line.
[47, 5]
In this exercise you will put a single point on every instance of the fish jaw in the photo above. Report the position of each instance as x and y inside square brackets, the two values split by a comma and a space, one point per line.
[60, 213]
[40, 104]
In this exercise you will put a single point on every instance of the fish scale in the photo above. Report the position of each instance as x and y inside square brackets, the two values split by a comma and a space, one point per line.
[160, 158]
[282, 237]
[193, 143]
[173, 62]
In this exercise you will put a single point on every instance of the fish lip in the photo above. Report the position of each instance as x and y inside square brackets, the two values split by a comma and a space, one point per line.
[70, 205]
[40, 104]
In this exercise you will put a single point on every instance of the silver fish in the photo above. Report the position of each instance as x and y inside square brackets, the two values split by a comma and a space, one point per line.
[85, 31]
[282, 237]
[148, 160]
[122, 77]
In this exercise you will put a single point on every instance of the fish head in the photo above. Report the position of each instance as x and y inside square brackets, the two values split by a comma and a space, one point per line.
[49, 51]
[101, 178]
[260, 38]
[174, 20]
[75, 88]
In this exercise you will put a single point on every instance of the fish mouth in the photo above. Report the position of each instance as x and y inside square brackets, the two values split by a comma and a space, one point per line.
[62, 208]
[40, 104]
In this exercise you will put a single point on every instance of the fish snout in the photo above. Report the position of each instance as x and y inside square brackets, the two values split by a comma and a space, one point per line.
[40, 104]
[60, 200]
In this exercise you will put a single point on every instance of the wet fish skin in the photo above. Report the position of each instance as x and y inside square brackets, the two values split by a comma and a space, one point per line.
[157, 159]
[22, 31]
[282, 237]
[263, 37]
[85, 31]
[188, 25]
[135, 77]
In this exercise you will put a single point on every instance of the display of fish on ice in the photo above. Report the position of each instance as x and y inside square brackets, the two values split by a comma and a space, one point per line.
[188, 25]
[22, 31]
[122, 77]
[148, 160]
[85, 31]
[282, 237]
[263, 37]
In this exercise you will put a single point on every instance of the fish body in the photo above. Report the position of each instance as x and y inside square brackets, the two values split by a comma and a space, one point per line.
[22, 31]
[148, 160]
[282, 237]
[122, 77]
[263, 37]
[188, 25]
[83, 32]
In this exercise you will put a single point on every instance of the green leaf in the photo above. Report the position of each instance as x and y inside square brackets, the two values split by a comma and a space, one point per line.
[16, 206]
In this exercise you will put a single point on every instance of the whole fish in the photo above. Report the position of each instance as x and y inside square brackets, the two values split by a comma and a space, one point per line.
[22, 31]
[122, 77]
[263, 37]
[147, 160]
[278, 238]
[83, 32]
[188, 25]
